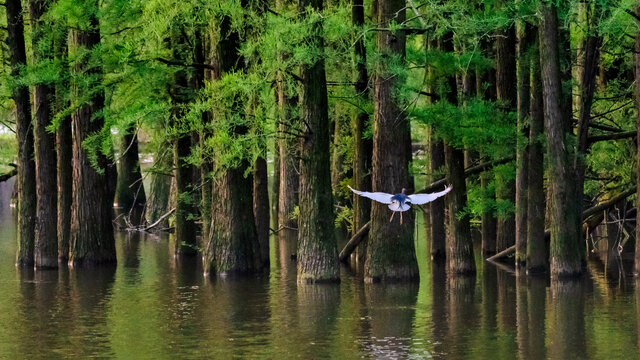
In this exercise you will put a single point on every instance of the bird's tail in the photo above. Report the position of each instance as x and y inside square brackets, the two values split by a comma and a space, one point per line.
[395, 206]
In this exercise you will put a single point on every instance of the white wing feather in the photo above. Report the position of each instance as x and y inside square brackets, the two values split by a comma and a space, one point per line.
[377, 196]
[419, 199]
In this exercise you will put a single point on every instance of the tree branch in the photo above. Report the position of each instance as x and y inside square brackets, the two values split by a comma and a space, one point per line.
[177, 63]
[614, 136]
[467, 172]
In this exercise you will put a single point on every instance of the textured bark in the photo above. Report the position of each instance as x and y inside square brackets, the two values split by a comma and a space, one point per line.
[390, 253]
[26, 165]
[459, 242]
[46, 237]
[591, 47]
[64, 145]
[506, 92]
[261, 208]
[525, 39]
[437, 219]
[159, 190]
[636, 268]
[486, 89]
[317, 248]
[565, 254]
[289, 158]
[129, 191]
[185, 199]
[92, 239]
[233, 246]
[536, 258]
[363, 147]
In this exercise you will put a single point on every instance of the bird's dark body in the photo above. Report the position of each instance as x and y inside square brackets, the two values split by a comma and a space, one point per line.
[400, 198]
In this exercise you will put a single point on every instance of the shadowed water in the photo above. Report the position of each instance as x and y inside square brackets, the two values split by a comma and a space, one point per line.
[152, 306]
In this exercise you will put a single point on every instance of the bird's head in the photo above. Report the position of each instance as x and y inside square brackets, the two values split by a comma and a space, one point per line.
[403, 189]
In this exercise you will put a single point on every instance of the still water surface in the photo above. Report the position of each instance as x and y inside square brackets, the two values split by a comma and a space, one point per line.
[153, 307]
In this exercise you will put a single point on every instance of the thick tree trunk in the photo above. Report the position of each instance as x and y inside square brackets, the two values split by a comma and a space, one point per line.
[289, 158]
[317, 248]
[64, 153]
[536, 258]
[129, 191]
[506, 92]
[46, 237]
[526, 38]
[390, 253]
[261, 207]
[233, 245]
[26, 165]
[92, 239]
[363, 146]
[565, 254]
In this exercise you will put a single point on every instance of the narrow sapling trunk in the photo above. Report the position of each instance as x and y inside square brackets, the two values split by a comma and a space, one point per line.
[129, 191]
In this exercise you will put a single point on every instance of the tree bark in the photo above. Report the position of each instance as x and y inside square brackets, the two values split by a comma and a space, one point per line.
[536, 258]
[46, 237]
[565, 254]
[160, 188]
[233, 246]
[261, 207]
[506, 92]
[459, 243]
[363, 146]
[26, 165]
[92, 241]
[317, 248]
[64, 147]
[525, 39]
[636, 268]
[129, 191]
[390, 253]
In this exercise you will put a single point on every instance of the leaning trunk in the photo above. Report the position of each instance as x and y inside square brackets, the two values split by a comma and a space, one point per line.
[26, 165]
[92, 239]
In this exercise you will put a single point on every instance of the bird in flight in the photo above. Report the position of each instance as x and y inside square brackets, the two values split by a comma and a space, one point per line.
[398, 202]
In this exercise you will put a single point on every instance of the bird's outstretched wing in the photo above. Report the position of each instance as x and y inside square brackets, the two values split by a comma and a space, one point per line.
[419, 199]
[377, 196]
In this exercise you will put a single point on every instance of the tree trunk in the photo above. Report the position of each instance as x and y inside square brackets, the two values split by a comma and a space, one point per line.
[233, 245]
[591, 48]
[437, 217]
[636, 268]
[506, 92]
[526, 37]
[317, 248]
[159, 191]
[92, 239]
[46, 237]
[486, 90]
[565, 254]
[185, 200]
[391, 252]
[536, 258]
[129, 191]
[459, 243]
[363, 147]
[261, 207]
[26, 165]
[64, 151]
[287, 196]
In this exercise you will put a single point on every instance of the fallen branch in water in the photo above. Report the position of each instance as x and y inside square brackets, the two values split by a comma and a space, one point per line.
[146, 228]
[588, 219]
[354, 242]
